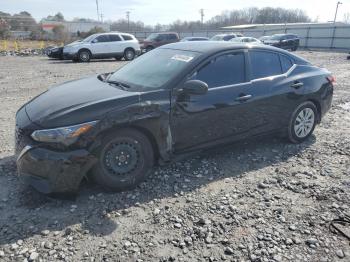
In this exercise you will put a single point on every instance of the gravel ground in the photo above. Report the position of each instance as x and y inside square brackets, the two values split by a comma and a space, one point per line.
[262, 200]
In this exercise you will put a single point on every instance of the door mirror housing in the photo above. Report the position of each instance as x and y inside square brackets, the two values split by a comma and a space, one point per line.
[94, 41]
[195, 87]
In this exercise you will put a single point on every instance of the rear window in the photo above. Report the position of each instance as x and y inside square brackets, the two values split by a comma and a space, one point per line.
[172, 37]
[286, 63]
[114, 38]
[127, 37]
[264, 64]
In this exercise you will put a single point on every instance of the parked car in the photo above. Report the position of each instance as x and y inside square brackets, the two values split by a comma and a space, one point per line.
[264, 38]
[246, 39]
[55, 52]
[225, 37]
[106, 45]
[284, 41]
[114, 127]
[158, 39]
[194, 38]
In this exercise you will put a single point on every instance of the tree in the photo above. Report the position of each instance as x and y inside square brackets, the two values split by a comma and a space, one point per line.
[57, 17]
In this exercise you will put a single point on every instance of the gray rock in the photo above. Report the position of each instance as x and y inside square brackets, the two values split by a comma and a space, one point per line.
[311, 241]
[340, 253]
[45, 232]
[2, 253]
[33, 256]
[228, 251]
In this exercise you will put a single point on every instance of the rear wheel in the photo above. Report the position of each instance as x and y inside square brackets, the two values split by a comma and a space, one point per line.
[129, 54]
[302, 122]
[125, 159]
[149, 48]
[84, 56]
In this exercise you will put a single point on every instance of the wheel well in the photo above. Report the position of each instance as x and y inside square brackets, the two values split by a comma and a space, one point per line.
[142, 130]
[84, 49]
[151, 46]
[318, 107]
[129, 48]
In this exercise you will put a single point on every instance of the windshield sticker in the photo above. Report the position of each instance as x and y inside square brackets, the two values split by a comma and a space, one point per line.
[183, 58]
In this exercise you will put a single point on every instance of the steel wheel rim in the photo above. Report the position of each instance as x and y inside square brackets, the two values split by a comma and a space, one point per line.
[121, 158]
[304, 122]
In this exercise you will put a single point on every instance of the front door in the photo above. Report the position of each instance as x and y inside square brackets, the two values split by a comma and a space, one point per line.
[223, 112]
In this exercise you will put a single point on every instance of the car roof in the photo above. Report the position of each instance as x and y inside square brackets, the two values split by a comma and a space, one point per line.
[216, 46]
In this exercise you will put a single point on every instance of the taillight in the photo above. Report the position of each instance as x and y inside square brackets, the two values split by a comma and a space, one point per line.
[331, 79]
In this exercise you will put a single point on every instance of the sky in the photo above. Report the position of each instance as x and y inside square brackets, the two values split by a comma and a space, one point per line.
[152, 12]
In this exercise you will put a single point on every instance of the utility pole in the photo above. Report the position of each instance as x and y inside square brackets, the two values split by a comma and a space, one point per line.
[128, 18]
[101, 18]
[98, 13]
[201, 11]
[336, 11]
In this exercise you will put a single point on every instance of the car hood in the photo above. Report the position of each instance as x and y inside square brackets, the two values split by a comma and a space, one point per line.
[74, 43]
[77, 102]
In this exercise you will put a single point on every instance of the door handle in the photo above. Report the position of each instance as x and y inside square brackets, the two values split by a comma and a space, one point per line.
[297, 85]
[243, 98]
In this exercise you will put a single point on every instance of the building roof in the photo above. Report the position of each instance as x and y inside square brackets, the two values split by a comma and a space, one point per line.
[252, 26]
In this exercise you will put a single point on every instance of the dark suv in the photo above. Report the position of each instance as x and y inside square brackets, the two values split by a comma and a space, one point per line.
[158, 39]
[284, 41]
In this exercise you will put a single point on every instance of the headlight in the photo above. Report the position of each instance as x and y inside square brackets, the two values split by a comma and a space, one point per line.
[65, 135]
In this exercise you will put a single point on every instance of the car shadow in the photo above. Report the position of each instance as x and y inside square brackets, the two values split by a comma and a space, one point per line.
[57, 61]
[25, 212]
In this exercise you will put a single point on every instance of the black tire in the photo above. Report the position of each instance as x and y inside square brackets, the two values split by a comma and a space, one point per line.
[129, 54]
[149, 48]
[308, 126]
[84, 56]
[115, 173]
[294, 48]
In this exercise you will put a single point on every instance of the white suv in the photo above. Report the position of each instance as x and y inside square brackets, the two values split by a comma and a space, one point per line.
[105, 45]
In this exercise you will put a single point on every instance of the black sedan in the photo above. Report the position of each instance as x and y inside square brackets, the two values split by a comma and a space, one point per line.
[55, 52]
[284, 41]
[176, 99]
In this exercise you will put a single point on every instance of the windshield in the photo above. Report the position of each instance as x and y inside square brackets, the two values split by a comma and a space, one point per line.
[276, 37]
[89, 38]
[152, 37]
[154, 69]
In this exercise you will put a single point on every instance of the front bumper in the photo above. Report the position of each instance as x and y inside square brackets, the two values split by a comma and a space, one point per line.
[70, 56]
[51, 171]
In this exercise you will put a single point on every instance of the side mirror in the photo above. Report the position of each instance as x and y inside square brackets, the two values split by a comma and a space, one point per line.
[195, 87]
[94, 41]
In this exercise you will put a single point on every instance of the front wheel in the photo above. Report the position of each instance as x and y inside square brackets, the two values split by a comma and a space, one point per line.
[302, 122]
[84, 56]
[125, 158]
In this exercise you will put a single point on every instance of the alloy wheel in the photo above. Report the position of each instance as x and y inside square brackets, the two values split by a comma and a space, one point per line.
[304, 122]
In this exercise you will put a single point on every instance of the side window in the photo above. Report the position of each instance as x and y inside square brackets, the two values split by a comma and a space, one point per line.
[286, 63]
[101, 39]
[172, 37]
[264, 64]
[127, 37]
[114, 38]
[224, 70]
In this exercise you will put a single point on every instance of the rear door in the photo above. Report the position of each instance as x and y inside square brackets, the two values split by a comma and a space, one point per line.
[116, 45]
[276, 88]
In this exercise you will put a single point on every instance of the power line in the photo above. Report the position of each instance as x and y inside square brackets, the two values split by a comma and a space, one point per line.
[336, 11]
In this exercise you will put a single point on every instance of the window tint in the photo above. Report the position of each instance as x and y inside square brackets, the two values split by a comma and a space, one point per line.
[264, 64]
[286, 63]
[224, 70]
[102, 38]
[229, 37]
[172, 37]
[114, 38]
[127, 37]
